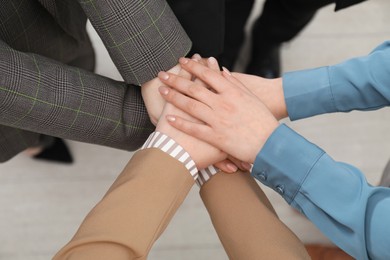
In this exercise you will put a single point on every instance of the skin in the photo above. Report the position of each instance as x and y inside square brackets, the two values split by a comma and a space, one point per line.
[233, 118]
[155, 106]
[201, 152]
[269, 91]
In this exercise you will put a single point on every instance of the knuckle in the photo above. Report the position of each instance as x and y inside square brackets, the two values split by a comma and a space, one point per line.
[228, 107]
[224, 123]
[205, 73]
[173, 80]
[178, 123]
[192, 90]
[191, 64]
[208, 73]
[218, 138]
[191, 130]
[171, 95]
[192, 106]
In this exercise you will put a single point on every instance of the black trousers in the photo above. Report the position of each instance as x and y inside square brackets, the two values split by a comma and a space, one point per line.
[204, 22]
[280, 21]
[216, 27]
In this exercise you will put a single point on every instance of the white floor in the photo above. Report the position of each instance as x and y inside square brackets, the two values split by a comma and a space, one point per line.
[41, 204]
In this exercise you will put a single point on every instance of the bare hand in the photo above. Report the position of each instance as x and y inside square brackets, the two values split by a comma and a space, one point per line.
[235, 120]
[202, 153]
[153, 101]
[269, 91]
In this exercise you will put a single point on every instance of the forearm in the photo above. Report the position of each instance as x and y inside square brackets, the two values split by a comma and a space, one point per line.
[357, 84]
[48, 97]
[245, 221]
[141, 37]
[335, 196]
[135, 210]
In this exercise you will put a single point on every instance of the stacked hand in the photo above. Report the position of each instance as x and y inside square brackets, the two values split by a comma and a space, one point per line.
[153, 101]
[202, 153]
[232, 118]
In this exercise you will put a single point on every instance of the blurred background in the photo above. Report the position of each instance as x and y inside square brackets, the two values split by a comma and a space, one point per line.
[42, 204]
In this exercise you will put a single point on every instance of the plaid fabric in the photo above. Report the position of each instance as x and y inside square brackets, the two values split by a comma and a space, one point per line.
[40, 94]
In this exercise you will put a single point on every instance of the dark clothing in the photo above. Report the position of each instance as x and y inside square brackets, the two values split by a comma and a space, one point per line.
[46, 58]
[280, 21]
[204, 22]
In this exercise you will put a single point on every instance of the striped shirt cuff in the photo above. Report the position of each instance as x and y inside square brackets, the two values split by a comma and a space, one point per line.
[169, 146]
[206, 174]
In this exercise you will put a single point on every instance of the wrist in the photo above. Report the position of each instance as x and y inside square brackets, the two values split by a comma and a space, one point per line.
[203, 155]
[169, 146]
[263, 137]
[269, 91]
[280, 110]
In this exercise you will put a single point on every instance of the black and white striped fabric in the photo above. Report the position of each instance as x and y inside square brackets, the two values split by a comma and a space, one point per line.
[169, 146]
[205, 174]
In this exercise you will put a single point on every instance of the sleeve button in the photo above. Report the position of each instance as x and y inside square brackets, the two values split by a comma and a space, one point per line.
[279, 189]
[263, 176]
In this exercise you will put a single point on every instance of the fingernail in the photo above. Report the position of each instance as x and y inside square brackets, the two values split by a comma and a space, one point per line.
[183, 60]
[171, 118]
[163, 75]
[232, 167]
[163, 90]
[196, 56]
[227, 71]
[212, 60]
[246, 166]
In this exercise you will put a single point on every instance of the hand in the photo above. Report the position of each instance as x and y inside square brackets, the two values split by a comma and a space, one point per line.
[153, 101]
[202, 153]
[155, 106]
[269, 91]
[236, 121]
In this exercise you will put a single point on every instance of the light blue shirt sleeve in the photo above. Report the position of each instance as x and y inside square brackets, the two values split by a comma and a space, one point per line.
[334, 196]
[357, 84]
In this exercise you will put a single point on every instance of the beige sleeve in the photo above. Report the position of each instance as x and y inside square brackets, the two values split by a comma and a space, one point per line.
[134, 212]
[245, 221]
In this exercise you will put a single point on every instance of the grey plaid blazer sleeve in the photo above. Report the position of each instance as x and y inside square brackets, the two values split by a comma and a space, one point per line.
[44, 96]
[143, 37]
[40, 95]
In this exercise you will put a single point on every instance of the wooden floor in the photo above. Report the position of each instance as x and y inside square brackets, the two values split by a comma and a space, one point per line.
[41, 204]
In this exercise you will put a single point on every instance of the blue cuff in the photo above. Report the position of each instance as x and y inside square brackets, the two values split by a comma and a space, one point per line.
[308, 93]
[285, 161]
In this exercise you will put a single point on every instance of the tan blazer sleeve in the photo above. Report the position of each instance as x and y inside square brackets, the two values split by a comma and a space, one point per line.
[246, 222]
[134, 212]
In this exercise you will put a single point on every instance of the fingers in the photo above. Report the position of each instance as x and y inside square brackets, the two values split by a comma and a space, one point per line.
[197, 58]
[228, 75]
[231, 165]
[191, 106]
[211, 77]
[244, 166]
[187, 87]
[183, 73]
[226, 166]
[212, 63]
[197, 130]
